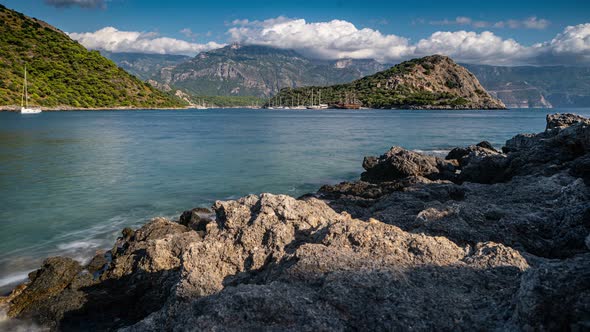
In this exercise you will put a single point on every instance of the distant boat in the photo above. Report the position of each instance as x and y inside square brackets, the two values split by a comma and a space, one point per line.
[24, 104]
[319, 106]
[350, 102]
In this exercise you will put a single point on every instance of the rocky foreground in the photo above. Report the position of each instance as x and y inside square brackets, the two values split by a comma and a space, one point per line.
[481, 240]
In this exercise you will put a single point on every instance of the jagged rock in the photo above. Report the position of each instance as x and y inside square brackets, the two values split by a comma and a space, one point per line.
[484, 169]
[561, 121]
[555, 296]
[196, 219]
[464, 155]
[369, 190]
[97, 263]
[44, 283]
[581, 167]
[399, 163]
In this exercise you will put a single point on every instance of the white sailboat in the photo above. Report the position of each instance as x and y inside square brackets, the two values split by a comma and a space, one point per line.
[24, 109]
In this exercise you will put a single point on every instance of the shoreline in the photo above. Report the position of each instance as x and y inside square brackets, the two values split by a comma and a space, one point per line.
[489, 235]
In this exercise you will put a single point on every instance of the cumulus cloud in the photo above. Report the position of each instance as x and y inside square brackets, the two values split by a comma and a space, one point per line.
[338, 39]
[572, 46]
[333, 39]
[469, 46]
[528, 23]
[79, 3]
[113, 40]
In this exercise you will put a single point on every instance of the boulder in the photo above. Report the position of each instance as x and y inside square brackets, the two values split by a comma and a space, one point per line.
[399, 163]
[196, 219]
[44, 283]
[560, 121]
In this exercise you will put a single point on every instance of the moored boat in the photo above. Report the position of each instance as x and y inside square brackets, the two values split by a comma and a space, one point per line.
[24, 109]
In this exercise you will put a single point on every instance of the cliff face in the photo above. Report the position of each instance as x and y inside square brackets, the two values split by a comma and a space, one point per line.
[481, 240]
[431, 82]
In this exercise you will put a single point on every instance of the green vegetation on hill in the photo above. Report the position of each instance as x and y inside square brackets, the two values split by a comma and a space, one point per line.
[228, 101]
[61, 72]
[429, 82]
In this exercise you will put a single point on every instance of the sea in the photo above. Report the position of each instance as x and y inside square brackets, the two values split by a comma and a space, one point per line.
[71, 181]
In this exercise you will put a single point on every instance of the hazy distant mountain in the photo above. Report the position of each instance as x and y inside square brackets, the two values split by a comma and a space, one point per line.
[432, 82]
[258, 71]
[528, 86]
[145, 66]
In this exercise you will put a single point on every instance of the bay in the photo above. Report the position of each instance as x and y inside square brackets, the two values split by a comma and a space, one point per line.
[71, 181]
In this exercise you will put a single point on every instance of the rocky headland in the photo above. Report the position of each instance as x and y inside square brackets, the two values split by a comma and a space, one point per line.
[483, 239]
[431, 82]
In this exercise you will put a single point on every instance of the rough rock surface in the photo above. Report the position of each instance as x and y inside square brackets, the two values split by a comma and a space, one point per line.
[484, 240]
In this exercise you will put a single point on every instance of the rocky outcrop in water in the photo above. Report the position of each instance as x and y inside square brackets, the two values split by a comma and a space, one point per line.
[480, 240]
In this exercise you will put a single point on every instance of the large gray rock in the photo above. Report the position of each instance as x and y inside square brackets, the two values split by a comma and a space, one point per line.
[398, 163]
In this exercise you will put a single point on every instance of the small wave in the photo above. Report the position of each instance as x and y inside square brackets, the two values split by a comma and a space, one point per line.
[434, 152]
[78, 245]
[14, 278]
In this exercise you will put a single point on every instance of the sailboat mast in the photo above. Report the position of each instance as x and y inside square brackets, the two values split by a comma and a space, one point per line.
[26, 89]
[22, 96]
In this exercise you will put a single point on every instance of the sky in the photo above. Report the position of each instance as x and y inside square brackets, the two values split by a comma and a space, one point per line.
[491, 32]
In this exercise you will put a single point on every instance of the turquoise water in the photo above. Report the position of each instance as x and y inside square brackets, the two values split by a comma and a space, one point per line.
[70, 181]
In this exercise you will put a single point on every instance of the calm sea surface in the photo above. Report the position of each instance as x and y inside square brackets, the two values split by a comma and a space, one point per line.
[71, 181]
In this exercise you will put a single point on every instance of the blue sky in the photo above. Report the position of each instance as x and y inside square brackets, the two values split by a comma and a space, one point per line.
[526, 22]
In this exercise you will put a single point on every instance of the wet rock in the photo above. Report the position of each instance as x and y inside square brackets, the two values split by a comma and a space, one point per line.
[486, 145]
[196, 219]
[97, 263]
[44, 283]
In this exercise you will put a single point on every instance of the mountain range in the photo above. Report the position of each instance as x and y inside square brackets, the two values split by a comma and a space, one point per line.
[242, 70]
[531, 86]
[62, 73]
[248, 70]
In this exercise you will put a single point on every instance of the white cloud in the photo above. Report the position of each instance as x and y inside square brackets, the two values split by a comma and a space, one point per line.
[79, 3]
[334, 39]
[534, 23]
[113, 40]
[462, 20]
[338, 39]
[469, 46]
[572, 46]
[529, 23]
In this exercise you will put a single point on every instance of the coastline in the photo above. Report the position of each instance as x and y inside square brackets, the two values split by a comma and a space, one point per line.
[193, 107]
[71, 108]
[475, 232]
